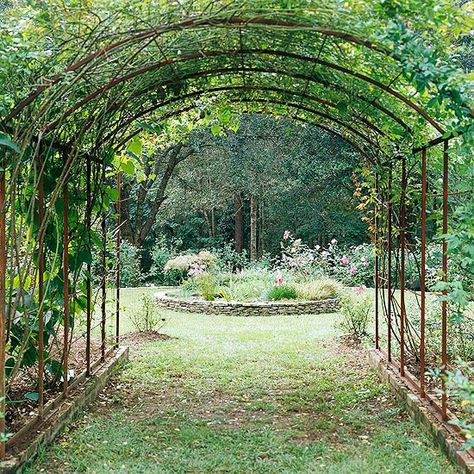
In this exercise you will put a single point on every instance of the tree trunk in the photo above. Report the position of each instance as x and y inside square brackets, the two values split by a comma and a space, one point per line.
[239, 223]
[253, 228]
[208, 223]
[213, 224]
[262, 230]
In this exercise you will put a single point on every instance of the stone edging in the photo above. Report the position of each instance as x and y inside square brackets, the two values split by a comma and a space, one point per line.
[55, 421]
[246, 309]
[443, 435]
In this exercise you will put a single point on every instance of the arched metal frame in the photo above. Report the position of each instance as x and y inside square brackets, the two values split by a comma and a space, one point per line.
[361, 132]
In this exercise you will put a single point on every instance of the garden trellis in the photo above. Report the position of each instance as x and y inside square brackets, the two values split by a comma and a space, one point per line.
[103, 75]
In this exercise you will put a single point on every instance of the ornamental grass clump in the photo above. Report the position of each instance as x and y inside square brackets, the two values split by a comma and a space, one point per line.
[316, 290]
[206, 285]
[282, 292]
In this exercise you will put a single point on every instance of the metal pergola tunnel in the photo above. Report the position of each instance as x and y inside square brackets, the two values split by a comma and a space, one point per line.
[60, 173]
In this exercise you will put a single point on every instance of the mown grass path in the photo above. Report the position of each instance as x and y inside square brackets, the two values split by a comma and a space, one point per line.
[245, 395]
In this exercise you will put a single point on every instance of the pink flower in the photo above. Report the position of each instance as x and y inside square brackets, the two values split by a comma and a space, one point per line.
[333, 241]
[345, 260]
[353, 270]
[286, 235]
[360, 289]
[279, 280]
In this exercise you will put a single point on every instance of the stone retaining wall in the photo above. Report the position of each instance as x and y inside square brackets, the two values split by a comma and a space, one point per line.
[246, 309]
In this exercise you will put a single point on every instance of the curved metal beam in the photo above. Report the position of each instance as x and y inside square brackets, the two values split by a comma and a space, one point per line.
[118, 124]
[192, 24]
[238, 70]
[210, 54]
[295, 117]
[122, 142]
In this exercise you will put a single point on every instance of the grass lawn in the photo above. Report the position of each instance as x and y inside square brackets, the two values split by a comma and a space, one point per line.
[244, 395]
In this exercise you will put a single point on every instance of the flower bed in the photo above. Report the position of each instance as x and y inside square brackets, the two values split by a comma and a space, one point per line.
[257, 308]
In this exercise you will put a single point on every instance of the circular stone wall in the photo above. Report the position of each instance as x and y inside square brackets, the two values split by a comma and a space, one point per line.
[246, 309]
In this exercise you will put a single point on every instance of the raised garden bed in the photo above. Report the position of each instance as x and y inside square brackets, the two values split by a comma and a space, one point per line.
[254, 308]
[24, 446]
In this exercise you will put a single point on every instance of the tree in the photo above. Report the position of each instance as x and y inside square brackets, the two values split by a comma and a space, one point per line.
[144, 198]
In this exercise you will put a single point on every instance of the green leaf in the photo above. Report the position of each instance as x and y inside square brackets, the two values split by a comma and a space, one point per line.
[216, 129]
[127, 167]
[5, 141]
[84, 256]
[54, 367]
[112, 193]
[135, 146]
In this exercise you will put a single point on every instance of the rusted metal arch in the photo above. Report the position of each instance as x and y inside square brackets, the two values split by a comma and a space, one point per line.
[175, 113]
[190, 24]
[120, 125]
[210, 54]
[238, 70]
[312, 111]
[256, 100]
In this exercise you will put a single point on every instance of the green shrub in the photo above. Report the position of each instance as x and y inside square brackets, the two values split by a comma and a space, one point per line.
[282, 292]
[130, 271]
[228, 259]
[318, 289]
[206, 284]
[161, 253]
[355, 311]
[146, 317]
[460, 387]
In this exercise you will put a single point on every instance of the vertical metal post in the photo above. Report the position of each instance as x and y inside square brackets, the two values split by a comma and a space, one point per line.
[423, 274]
[3, 275]
[104, 276]
[389, 267]
[88, 268]
[103, 290]
[444, 309]
[376, 267]
[40, 289]
[119, 223]
[402, 265]
[65, 286]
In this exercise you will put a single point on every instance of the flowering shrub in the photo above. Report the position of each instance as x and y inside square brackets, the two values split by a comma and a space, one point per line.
[191, 262]
[354, 265]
